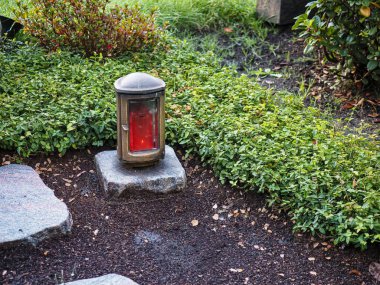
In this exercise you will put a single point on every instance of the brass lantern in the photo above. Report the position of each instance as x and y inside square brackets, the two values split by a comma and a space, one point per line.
[140, 119]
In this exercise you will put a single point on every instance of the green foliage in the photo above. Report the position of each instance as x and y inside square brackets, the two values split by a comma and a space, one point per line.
[349, 32]
[89, 26]
[252, 137]
[6, 8]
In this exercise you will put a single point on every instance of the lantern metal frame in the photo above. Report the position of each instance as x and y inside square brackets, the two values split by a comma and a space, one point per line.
[124, 95]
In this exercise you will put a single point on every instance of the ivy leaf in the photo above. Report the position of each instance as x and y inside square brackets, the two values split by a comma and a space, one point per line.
[372, 65]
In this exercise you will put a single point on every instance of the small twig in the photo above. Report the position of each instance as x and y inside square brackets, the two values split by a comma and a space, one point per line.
[114, 202]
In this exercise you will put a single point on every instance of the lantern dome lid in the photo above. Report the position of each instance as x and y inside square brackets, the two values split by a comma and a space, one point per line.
[139, 83]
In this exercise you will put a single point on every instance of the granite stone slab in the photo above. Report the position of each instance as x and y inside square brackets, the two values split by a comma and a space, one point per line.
[166, 176]
[29, 211]
[109, 279]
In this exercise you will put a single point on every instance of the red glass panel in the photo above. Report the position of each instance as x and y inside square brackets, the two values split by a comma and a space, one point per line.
[143, 125]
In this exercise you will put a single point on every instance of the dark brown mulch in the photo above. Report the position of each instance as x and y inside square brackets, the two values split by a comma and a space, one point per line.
[151, 238]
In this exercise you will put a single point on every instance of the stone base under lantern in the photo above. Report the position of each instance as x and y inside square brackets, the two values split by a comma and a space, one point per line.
[118, 179]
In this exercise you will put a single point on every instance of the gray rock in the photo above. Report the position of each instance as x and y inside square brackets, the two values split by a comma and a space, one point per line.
[166, 176]
[110, 279]
[29, 211]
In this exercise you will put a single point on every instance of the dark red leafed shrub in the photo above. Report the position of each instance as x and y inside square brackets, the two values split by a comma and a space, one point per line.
[89, 26]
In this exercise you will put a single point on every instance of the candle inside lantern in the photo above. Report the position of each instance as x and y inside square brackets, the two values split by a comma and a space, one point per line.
[143, 125]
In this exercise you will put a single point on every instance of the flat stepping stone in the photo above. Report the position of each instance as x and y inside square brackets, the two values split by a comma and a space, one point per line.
[29, 211]
[109, 279]
[166, 176]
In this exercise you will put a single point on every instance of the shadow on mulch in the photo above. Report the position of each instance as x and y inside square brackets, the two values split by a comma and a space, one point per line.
[151, 238]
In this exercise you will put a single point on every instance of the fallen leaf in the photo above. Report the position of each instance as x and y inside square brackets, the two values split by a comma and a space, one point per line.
[375, 103]
[348, 105]
[355, 272]
[236, 270]
[360, 102]
[374, 269]
[194, 223]
[365, 11]
[374, 115]
[375, 4]
[228, 30]
[313, 273]
[46, 252]
[215, 217]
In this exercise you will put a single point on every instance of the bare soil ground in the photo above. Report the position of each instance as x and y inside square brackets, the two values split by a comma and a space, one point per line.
[208, 234]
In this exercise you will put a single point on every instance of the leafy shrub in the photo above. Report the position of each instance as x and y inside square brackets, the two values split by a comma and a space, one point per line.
[89, 26]
[263, 141]
[348, 30]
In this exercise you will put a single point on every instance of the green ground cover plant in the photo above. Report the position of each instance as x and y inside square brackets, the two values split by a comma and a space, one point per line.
[6, 8]
[253, 138]
[349, 33]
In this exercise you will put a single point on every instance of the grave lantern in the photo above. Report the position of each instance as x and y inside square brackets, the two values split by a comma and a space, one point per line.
[140, 119]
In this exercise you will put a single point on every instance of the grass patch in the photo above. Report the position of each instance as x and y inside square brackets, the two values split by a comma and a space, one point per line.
[6, 8]
[253, 138]
[186, 15]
